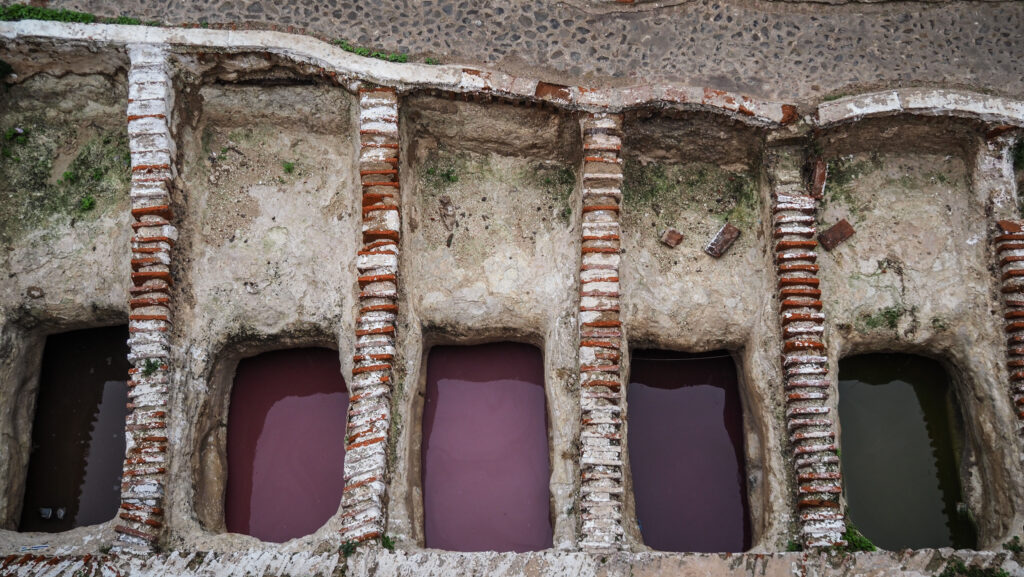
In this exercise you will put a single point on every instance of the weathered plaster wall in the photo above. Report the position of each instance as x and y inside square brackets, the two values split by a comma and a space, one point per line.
[916, 278]
[488, 252]
[267, 192]
[64, 258]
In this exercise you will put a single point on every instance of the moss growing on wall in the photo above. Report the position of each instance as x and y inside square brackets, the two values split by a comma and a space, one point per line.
[667, 190]
[38, 182]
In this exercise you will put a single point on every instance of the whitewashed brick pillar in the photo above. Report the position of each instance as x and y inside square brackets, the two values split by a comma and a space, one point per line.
[150, 103]
[601, 460]
[806, 379]
[369, 414]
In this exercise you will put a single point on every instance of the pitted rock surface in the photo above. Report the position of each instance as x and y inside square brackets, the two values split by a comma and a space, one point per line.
[793, 51]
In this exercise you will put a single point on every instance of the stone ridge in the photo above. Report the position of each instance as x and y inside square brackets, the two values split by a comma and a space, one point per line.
[150, 102]
[601, 468]
[774, 50]
[808, 385]
[369, 413]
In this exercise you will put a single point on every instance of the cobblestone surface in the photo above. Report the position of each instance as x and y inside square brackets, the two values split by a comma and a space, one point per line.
[776, 50]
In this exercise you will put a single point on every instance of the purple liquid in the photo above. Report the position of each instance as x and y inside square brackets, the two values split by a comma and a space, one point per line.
[78, 437]
[286, 444]
[485, 449]
[686, 452]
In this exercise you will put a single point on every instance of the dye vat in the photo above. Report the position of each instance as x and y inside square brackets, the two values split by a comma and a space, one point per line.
[78, 441]
[286, 444]
[686, 452]
[900, 452]
[485, 459]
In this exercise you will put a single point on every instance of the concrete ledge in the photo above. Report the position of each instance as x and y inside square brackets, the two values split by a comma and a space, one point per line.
[923, 101]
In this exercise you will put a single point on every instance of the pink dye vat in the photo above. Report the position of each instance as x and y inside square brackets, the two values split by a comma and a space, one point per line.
[686, 452]
[286, 444]
[485, 449]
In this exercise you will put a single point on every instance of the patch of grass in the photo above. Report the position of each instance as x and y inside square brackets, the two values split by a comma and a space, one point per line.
[23, 12]
[98, 171]
[836, 96]
[289, 167]
[87, 203]
[150, 367]
[126, 20]
[431, 60]
[793, 545]
[369, 53]
[939, 324]
[889, 318]
[440, 171]
[387, 542]
[348, 548]
[558, 183]
[668, 190]
[957, 568]
[856, 541]
[1014, 545]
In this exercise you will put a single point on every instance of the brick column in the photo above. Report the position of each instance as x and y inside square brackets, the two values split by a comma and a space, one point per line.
[601, 487]
[150, 103]
[808, 385]
[369, 413]
[994, 180]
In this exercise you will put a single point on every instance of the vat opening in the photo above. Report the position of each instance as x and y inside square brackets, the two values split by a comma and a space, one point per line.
[285, 444]
[485, 465]
[78, 441]
[901, 447]
[686, 451]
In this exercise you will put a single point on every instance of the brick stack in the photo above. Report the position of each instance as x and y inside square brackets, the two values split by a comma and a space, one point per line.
[369, 415]
[150, 102]
[1009, 246]
[601, 486]
[804, 358]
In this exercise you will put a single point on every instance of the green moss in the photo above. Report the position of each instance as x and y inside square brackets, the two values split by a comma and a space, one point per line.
[441, 170]
[289, 167]
[842, 173]
[348, 548]
[558, 183]
[363, 51]
[855, 541]
[668, 190]
[793, 545]
[96, 177]
[1014, 545]
[888, 317]
[387, 542]
[957, 568]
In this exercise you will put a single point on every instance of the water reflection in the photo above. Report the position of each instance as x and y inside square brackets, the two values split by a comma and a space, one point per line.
[900, 452]
[485, 449]
[78, 442]
[686, 452]
[286, 444]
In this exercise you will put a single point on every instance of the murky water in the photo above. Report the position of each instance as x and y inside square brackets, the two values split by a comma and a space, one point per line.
[286, 444]
[485, 449]
[686, 451]
[78, 443]
[900, 452]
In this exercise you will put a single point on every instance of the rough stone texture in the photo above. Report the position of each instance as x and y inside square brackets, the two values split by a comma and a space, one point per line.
[693, 173]
[490, 234]
[916, 277]
[78, 260]
[801, 51]
[488, 211]
[251, 270]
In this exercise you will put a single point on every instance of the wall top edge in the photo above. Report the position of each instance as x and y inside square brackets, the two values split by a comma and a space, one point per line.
[488, 82]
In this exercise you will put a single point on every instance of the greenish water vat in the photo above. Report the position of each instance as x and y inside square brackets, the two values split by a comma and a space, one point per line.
[901, 447]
